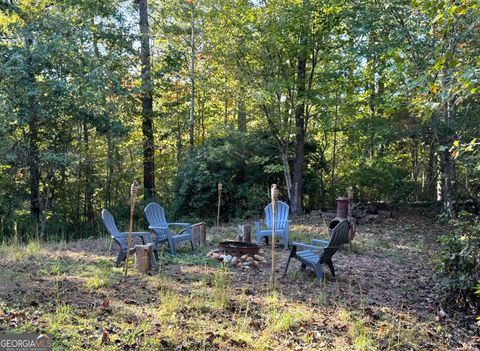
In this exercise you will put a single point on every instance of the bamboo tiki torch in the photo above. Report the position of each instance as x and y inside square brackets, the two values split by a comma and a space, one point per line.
[220, 186]
[274, 194]
[133, 197]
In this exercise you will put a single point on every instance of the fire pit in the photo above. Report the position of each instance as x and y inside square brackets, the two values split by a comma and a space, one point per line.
[238, 248]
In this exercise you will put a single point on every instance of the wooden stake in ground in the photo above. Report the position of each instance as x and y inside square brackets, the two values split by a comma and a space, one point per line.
[220, 186]
[134, 188]
[274, 194]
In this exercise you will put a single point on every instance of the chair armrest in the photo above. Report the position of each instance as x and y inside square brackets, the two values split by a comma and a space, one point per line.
[179, 224]
[153, 227]
[313, 247]
[135, 233]
[186, 227]
[319, 242]
[145, 236]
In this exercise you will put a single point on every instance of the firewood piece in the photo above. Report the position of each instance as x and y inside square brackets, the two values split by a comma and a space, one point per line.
[199, 235]
[143, 257]
[245, 233]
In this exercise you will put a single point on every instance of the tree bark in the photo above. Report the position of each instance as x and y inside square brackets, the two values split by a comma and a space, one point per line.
[147, 103]
[241, 116]
[88, 170]
[334, 152]
[33, 152]
[298, 164]
[192, 76]
[286, 171]
[110, 160]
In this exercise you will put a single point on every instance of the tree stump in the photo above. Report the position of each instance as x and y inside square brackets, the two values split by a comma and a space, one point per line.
[144, 257]
[245, 233]
[199, 234]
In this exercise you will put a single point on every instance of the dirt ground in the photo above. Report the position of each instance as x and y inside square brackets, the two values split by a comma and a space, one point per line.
[381, 299]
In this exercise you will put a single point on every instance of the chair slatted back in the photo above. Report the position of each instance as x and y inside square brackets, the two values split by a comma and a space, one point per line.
[112, 229]
[340, 236]
[156, 218]
[281, 215]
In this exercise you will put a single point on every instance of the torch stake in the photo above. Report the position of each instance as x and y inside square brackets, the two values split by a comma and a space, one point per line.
[220, 186]
[133, 196]
[274, 195]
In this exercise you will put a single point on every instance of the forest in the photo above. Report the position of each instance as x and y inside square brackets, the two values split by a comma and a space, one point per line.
[315, 96]
[180, 95]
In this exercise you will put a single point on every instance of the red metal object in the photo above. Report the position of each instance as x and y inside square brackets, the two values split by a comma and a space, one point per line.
[342, 207]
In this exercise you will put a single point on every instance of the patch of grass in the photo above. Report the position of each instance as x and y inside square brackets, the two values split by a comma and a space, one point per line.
[360, 336]
[195, 259]
[15, 251]
[282, 316]
[196, 304]
[221, 288]
[99, 279]
[417, 247]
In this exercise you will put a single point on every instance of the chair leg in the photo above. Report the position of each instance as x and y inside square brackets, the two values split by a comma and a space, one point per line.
[292, 254]
[332, 269]
[122, 255]
[303, 266]
[318, 271]
[266, 240]
[191, 243]
[286, 267]
[173, 246]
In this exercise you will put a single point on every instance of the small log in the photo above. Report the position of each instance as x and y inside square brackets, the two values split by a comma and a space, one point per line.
[143, 257]
[245, 233]
[199, 234]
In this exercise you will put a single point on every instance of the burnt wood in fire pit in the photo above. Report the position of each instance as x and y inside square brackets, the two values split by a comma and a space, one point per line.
[238, 248]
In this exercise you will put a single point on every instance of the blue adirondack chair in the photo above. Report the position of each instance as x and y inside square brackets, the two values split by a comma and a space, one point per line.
[121, 238]
[158, 223]
[309, 257]
[281, 224]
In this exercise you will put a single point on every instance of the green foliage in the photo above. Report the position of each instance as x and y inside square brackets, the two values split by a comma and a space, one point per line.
[458, 262]
[379, 78]
[242, 163]
[381, 178]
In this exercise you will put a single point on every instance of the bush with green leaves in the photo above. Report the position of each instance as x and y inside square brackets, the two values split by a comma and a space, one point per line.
[458, 263]
[245, 164]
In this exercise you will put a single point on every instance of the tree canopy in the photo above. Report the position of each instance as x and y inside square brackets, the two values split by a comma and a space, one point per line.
[315, 95]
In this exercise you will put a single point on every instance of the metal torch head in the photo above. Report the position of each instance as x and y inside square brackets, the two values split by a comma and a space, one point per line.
[274, 192]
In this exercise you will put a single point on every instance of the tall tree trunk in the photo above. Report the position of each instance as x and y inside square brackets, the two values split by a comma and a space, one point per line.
[178, 141]
[298, 164]
[192, 75]
[241, 115]
[147, 104]
[430, 173]
[88, 171]
[448, 165]
[334, 152]
[108, 187]
[286, 170]
[33, 152]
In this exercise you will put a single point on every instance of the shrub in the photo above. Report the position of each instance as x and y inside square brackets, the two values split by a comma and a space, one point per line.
[245, 164]
[458, 263]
